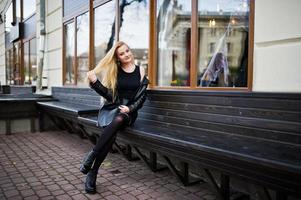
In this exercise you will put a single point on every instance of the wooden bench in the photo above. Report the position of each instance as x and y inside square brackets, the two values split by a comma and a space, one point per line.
[255, 137]
[17, 89]
[19, 107]
[67, 104]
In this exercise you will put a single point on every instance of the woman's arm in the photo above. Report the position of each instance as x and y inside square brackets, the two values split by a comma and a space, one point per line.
[135, 106]
[138, 103]
[96, 85]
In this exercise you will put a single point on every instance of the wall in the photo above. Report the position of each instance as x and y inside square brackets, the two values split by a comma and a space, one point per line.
[53, 41]
[277, 46]
[2, 48]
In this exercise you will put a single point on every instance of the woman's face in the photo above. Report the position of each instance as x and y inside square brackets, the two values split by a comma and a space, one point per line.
[124, 55]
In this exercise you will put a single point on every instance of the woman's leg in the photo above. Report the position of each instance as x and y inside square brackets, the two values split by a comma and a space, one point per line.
[103, 146]
[90, 184]
[109, 131]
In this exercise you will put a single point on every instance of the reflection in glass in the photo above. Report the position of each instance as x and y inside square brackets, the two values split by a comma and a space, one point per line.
[104, 24]
[69, 53]
[16, 63]
[29, 7]
[30, 62]
[18, 9]
[223, 43]
[8, 18]
[82, 32]
[26, 64]
[9, 66]
[33, 61]
[174, 28]
[134, 28]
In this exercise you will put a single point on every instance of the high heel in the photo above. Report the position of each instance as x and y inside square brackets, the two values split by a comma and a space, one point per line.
[88, 162]
[90, 184]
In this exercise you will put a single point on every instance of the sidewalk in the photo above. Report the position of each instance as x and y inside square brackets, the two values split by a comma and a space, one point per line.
[46, 166]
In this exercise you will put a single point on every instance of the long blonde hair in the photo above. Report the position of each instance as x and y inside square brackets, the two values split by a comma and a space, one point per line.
[107, 67]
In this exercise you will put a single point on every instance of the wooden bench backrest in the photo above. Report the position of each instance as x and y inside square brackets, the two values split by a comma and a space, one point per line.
[85, 96]
[266, 116]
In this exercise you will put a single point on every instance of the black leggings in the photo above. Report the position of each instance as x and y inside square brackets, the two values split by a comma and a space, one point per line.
[107, 138]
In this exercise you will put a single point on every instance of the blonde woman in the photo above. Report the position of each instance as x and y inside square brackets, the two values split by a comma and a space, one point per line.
[123, 86]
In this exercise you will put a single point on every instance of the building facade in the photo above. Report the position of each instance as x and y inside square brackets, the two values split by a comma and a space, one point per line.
[239, 45]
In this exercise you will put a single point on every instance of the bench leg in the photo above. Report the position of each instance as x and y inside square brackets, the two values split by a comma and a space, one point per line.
[32, 125]
[183, 174]
[127, 153]
[68, 126]
[83, 133]
[263, 193]
[41, 121]
[281, 196]
[222, 191]
[57, 124]
[8, 126]
[225, 187]
[151, 162]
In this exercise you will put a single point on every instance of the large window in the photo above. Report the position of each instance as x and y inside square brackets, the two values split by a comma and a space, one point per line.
[220, 56]
[69, 34]
[76, 54]
[104, 26]
[82, 48]
[9, 66]
[30, 62]
[174, 30]
[134, 28]
[223, 43]
[13, 66]
[79, 55]
[195, 44]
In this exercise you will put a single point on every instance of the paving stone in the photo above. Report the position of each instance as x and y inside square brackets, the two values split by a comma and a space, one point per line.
[127, 197]
[43, 193]
[11, 193]
[46, 166]
[112, 197]
[79, 197]
[143, 197]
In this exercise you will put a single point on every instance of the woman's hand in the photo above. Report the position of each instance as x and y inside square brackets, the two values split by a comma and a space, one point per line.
[124, 109]
[91, 76]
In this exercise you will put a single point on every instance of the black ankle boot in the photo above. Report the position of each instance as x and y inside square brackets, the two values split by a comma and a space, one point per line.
[87, 162]
[90, 184]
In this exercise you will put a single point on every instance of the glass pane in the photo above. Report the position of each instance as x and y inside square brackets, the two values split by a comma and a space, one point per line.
[27, 77]
[223, 43]
[104, 24]
[174, 28]
[69, 54]
[16, 67]
[29, 7]
[134, 28]
[9, 64]
[82, 48]
[18, 7]
[33, 61]
[8, 18]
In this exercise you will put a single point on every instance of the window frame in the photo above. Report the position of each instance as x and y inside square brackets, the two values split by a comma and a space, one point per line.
[28, 40]
[194, 52]
[153, 45]
[73, 18]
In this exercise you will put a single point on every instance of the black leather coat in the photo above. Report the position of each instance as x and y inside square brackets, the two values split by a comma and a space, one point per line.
[110, 107]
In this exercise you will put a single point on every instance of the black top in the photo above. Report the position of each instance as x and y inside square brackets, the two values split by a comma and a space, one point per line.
[128, 83]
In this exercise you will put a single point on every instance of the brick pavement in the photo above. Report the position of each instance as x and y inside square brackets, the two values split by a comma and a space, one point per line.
[46, 166]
